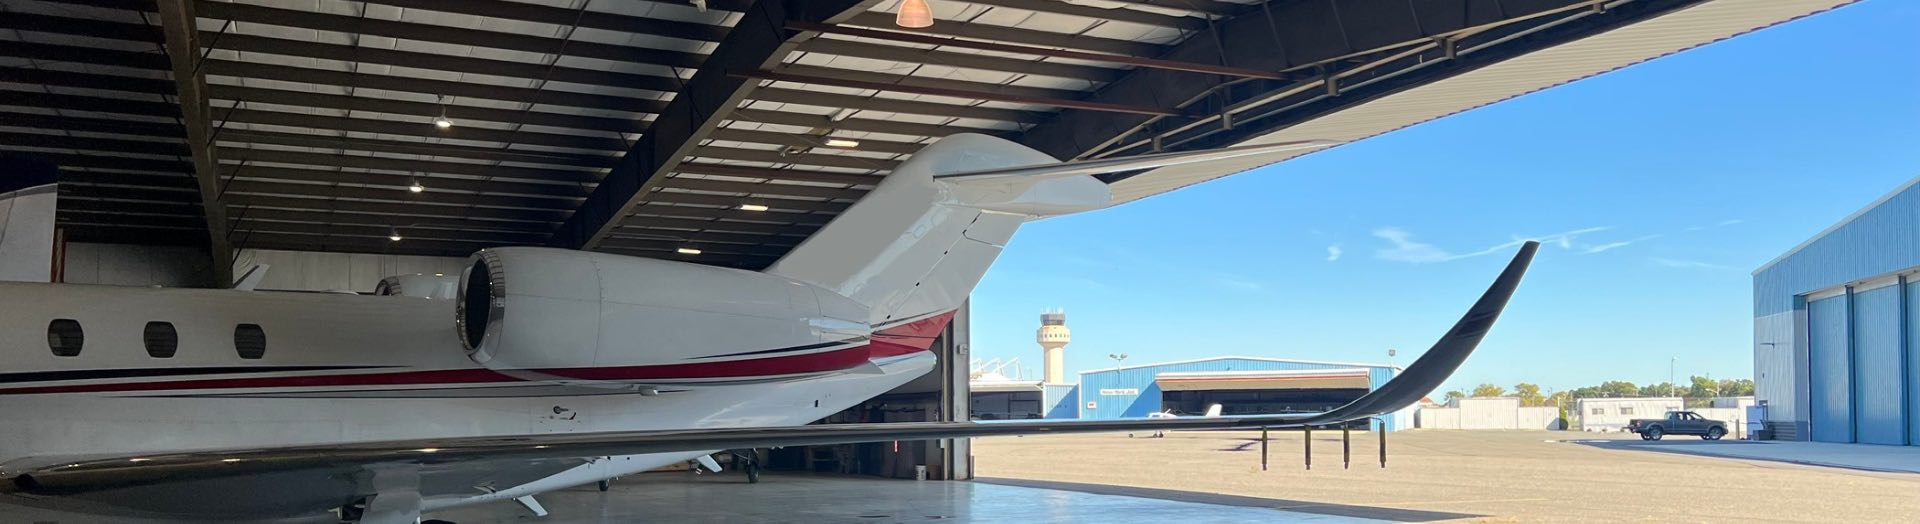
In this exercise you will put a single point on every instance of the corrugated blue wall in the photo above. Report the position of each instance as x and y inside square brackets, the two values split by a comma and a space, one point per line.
[1878, 242]
[1912, 371]
[1831, 370]
[1136, 395]
[1788, 360]
[1062, 401]
[1877, 390]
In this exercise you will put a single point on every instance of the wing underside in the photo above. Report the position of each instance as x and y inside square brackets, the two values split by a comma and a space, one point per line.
[54, 476]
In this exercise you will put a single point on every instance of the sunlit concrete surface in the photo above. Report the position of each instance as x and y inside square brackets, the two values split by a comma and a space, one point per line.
[675, 497]
[1496, 476]
[1867, 457]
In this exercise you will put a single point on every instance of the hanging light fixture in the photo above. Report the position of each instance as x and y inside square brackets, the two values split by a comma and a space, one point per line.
[394, 235]
[754, 207]
[914, 14]
[687, 251]
[416, 187]
[441, 121]
[843, 143]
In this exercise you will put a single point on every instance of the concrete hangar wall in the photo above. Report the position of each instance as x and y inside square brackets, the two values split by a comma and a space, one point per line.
[1836, 329]
[1241, 385]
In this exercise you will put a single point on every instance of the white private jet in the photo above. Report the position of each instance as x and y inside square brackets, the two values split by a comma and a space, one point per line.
[550, 368]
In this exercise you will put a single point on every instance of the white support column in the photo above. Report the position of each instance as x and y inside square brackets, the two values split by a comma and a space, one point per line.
[959, 452]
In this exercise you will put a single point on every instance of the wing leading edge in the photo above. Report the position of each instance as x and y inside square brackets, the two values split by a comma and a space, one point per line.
[81, 476]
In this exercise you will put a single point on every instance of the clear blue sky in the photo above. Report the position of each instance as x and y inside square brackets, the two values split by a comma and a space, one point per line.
[1677, 177]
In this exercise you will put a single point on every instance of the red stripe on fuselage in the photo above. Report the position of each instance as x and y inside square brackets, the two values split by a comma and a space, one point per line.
[774, 366]
[910, 337]
[903, 339]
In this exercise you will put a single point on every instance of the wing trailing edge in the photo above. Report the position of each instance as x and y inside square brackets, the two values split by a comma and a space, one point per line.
[1101, 166]
[92, 474]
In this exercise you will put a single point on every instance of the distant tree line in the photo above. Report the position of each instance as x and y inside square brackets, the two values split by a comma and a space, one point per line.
[1697, 393]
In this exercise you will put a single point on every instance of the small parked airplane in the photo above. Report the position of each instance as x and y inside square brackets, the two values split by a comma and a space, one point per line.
[549, 368]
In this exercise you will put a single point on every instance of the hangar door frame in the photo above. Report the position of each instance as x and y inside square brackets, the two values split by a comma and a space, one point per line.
[1860, 363]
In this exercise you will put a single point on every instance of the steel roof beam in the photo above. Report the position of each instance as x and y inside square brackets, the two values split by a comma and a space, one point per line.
[569, 17]
[1282, 35]
[912, 38]
[401, 164]
[1187, 23]
[445, 34]
[758, 41]
[702, 168]
[961, 94]
[495, 154]
[914, 55]
[998, 33]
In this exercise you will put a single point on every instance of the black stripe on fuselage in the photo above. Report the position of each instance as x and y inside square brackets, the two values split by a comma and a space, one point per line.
[794, 349]
[94, 374]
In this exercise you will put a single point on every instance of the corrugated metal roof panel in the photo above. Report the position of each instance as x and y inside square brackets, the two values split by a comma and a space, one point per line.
[1685, 29]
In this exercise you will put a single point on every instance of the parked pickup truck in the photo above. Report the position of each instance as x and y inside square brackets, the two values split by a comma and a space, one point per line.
[1678, 423]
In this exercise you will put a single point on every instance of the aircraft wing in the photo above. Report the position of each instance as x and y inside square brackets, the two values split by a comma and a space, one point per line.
[1134, 163]
[84, 475]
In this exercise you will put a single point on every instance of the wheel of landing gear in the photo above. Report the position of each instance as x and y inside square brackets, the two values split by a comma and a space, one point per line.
[753, 475]
[605, 484]
[1714, 434]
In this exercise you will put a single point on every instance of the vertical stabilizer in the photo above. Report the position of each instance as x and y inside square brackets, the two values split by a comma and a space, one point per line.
[28, 196]
[916, 246]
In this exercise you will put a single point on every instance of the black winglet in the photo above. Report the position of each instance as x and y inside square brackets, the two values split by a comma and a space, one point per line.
[1446, 355]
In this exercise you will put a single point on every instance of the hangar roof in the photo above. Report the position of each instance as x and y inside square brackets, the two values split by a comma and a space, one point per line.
[644, 126]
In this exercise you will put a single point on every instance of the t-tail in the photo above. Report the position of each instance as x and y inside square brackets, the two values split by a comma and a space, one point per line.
[918, 244]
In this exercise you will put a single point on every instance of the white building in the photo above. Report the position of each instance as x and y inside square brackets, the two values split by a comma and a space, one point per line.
[1487, 413]
[1612, 414]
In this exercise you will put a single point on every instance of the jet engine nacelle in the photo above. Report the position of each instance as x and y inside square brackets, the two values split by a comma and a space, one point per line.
[530, 311]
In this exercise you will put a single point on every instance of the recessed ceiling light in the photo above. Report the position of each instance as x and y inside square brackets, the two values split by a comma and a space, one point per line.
[842, 143]
[416, 187]
[442, 122]
[753, 207]
[688, 251]
[914, 14]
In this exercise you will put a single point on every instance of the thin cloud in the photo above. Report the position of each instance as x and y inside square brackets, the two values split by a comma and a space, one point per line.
[1724, 223]
[1334, 252]
[1405, 249]
[1601, 248]
[1684, 264]
[1236, 282]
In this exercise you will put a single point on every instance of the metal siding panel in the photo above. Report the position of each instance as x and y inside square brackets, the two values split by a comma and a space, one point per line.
[1879, 241]
[1148, 401]
[1774, 376]
[1832, 418]
[1910, 330]
[1877, 390]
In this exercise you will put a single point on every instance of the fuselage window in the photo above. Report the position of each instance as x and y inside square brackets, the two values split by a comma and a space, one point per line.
[250, 341]
[64, 337]
[162, 340]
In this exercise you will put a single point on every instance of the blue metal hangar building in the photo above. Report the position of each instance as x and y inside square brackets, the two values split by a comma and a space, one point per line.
[1836, 329]
[1241, 385]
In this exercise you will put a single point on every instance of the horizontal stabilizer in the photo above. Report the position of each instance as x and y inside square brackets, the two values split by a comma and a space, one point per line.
[1134, 163]
[56, 475]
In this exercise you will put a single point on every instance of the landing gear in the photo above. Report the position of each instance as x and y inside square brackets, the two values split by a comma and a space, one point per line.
[605, 485]
[747, 460]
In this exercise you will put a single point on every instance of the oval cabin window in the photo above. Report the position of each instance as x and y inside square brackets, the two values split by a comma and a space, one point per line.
[65, 337]
[250, 341]
[162, 341]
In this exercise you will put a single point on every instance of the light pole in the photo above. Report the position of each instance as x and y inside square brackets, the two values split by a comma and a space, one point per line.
[1670, 363]
[1117, 358]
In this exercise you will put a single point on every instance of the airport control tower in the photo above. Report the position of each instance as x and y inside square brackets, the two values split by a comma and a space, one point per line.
[1053, 338]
